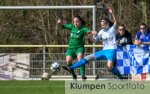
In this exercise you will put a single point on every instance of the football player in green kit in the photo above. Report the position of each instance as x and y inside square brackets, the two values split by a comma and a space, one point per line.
[78, 31]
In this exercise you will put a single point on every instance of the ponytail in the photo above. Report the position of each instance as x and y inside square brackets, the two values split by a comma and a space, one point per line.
[82, 21]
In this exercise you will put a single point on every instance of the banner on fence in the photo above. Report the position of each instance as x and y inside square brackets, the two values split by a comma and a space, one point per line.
[132, 59]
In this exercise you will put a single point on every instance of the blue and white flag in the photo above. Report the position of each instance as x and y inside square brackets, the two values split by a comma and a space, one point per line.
[132, 59]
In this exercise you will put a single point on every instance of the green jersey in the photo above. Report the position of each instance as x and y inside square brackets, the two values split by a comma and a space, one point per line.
[77, 35]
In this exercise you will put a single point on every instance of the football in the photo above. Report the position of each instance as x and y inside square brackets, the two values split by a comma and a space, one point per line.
[55, 67]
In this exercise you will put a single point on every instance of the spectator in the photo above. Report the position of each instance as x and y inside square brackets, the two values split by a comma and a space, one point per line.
[142, 36]
[123, 37]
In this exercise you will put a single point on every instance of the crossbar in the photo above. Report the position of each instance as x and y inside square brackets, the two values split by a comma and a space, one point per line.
[44, 7]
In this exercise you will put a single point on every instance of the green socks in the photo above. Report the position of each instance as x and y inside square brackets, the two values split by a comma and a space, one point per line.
[82, 70]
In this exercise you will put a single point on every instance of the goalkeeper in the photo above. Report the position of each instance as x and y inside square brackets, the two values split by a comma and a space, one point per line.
[76, 43]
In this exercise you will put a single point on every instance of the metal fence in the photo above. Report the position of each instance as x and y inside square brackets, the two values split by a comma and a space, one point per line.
[36, 65]
[41, 62]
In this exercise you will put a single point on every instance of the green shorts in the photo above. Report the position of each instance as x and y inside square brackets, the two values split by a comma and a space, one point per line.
[74, 51]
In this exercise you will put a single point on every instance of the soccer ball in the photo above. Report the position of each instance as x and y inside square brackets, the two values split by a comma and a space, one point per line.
[55, 67]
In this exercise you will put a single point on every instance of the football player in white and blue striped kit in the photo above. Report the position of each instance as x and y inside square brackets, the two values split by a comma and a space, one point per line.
[108, 36]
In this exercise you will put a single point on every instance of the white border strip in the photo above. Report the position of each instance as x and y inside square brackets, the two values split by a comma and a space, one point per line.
[45, 7]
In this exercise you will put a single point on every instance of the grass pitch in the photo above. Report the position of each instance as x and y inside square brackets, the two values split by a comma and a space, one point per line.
[32, 87]
[59, 87]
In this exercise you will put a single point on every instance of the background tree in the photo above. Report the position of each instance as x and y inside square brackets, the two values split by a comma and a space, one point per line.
[39, 26]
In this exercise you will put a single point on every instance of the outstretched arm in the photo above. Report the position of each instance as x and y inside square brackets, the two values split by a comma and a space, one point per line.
[60, 21]
[92, 37]
[113, 16]
[63, 24]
